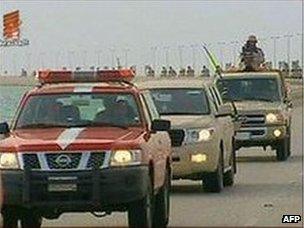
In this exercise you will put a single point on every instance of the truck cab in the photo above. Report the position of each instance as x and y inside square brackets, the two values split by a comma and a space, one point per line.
[264, 109]
[85, 142]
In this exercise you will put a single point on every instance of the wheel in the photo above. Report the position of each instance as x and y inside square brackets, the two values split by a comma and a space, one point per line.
[30, 219]
[213, 182]
[289, 141]
[140, 213]
[10, 217]
[162, 204]
[229, 175]
[282, 149]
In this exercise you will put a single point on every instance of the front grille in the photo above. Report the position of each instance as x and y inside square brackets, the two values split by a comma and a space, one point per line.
[177, 137]
[31, 161]
[53, 160]
[252, 119]
[64, 161]
[96, 160]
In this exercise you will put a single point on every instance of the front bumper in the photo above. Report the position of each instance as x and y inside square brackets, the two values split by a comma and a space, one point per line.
[96, 190]
[184, 168]
[259, 136]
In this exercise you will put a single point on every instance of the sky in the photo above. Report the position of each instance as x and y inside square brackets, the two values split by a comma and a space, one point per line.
[86, 33]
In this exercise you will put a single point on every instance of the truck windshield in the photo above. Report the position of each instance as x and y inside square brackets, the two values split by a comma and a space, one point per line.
[180, 101]
[255, 89]
[79, 110]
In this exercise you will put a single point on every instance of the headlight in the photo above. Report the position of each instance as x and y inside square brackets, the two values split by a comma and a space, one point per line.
[274, 118]
[198, 135]
[125, 157]
[9, 161]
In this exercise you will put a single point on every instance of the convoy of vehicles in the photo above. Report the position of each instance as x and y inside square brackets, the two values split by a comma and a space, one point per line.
[264, 108]
[92, 141]
[201, 149]
[85, 142]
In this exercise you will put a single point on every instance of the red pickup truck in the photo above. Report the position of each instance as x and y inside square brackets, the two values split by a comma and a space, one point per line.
[85, 142]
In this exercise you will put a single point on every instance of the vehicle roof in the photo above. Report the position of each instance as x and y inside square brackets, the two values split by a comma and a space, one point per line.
[251, 74]
[173, 83]
[84, 87]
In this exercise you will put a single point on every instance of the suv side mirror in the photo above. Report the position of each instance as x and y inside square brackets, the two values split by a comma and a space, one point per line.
[4, 128]
[288, 102]
[225, 110]
[160, 125]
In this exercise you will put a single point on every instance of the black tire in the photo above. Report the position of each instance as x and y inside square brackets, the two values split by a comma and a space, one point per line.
[140, 213]
[289, 141]
[30, 219]
[282, 149]
[162, 204]
[229, 175]
[214, 182]
[10, 217]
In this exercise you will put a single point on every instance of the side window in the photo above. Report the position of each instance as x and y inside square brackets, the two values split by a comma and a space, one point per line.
[150, 105]
[145, 109]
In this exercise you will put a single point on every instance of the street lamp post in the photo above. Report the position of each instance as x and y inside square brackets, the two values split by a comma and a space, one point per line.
[275, 38]
[221, 52]
[154, 56]
[180, 53]
[166, 49]
[193, 48]
[288, 39]
[127, 50]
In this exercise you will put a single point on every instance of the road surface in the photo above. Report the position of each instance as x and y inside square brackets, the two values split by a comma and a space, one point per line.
[264, 191]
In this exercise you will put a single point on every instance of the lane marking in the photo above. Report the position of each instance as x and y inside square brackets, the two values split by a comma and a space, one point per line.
[68, 136]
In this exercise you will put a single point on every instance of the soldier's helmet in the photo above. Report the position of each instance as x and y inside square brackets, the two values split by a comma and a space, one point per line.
[252, 38]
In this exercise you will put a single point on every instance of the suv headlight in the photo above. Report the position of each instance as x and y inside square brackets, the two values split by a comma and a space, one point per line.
[125, 157]
[9, 161]
[274, 118]
[198, 135]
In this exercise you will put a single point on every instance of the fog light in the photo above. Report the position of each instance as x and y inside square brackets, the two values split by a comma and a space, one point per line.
[277, 133]
[198, 158]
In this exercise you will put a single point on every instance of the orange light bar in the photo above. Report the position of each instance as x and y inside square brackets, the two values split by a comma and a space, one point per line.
[66, 76]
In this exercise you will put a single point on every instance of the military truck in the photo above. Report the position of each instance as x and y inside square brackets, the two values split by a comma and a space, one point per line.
[264, 108]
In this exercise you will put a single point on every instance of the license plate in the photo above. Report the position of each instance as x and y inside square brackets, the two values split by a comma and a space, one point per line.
[243, 135]
[62, 187]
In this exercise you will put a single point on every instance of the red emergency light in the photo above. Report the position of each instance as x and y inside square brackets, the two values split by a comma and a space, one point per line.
[67, 76]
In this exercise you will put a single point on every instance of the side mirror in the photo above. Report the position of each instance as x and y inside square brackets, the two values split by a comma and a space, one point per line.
[160, 125]
[288, 102]
[4, 128]
[225, 110]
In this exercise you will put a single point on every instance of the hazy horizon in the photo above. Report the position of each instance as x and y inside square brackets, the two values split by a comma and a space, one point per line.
[89, 33]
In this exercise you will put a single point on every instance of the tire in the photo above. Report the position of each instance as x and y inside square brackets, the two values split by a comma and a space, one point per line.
[140, 213]
[162, 204]
[289, 142]
[10, 217]
[213, 182]
[229, 175]
[282, 149]
[30, 219]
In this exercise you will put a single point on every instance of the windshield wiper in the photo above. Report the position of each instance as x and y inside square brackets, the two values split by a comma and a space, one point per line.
[43, 125]
[107, 125]
[180, 113]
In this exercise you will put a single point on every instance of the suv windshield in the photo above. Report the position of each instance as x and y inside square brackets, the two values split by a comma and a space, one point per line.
[180, 101]
[256, 89]
[79, 110]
